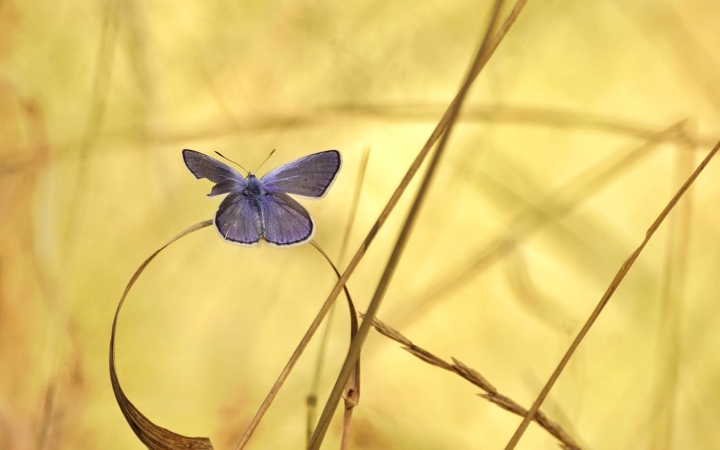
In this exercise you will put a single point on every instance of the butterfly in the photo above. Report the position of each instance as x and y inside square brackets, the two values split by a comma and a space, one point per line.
[260, 208]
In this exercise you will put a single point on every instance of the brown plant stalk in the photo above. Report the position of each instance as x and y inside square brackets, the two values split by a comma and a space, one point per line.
[498, 113]
[672, 307]
[405, 232]
[624, 269]
[311, 400]
[414, 167]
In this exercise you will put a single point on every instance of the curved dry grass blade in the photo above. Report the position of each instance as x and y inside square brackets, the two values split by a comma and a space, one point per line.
[412, 170]
[352, 388]
[404, 236]
[153, 436]
[473, 376]
[296, 355]
[604, 300]
[311, 400]
[351, 395]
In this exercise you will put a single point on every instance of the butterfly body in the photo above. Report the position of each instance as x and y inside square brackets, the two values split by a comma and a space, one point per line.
[254, 190]
[254, 193]
[260, 208]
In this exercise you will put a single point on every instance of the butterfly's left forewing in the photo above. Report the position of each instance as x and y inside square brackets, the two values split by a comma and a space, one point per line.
[310, 176]
[226, 178]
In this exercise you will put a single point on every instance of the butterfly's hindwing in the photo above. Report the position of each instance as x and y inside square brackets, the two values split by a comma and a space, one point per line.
[237, 220]
[284, 221]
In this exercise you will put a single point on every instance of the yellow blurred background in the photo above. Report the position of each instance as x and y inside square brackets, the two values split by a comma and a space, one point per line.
[586, 121]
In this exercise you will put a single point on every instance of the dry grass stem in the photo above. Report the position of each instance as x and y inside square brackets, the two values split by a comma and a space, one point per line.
[352, 389]
[347, 420]
[604, 300]
[473, 376]
[404, 236]
[351, 394]
[414, 167]
[671, 307]
[311, 400]
[549, 150]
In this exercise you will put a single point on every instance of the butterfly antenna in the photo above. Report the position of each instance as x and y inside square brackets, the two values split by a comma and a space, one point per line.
[266, 160]
[223, 156]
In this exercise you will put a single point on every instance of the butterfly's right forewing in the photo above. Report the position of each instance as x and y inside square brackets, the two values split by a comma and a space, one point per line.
[309, 176]
[226, 178]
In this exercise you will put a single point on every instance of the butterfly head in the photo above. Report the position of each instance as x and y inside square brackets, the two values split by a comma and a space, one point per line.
[254, 187]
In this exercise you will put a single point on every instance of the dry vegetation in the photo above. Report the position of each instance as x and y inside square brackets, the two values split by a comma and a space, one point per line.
[538, 201]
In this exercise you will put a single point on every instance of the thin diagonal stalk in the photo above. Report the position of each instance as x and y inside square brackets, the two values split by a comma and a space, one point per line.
[265, 405]
[352, 387]
[414, 167]
[671, 309]
[311, 400]
[604, 300]
[402, 240]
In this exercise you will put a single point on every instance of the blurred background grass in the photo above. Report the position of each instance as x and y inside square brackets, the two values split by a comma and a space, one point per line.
[559, 165]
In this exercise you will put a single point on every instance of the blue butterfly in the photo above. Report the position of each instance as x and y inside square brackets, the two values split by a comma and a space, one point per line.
[260, 208]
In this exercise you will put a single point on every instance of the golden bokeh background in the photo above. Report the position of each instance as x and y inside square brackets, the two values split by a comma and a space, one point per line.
[585, 122]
